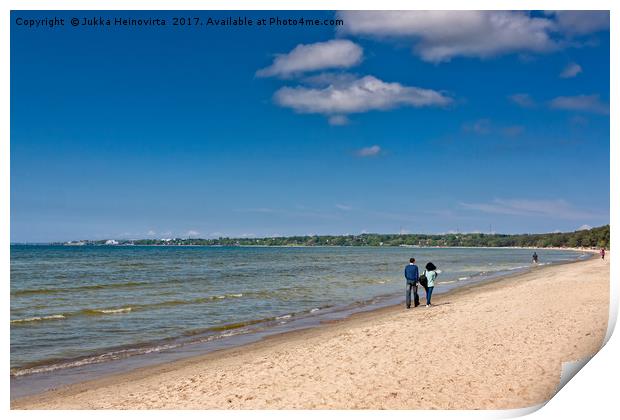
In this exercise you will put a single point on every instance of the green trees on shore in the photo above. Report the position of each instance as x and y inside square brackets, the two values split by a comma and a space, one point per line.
[593, 238]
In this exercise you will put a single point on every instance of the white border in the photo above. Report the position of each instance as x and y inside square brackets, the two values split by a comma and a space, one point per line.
[589, 394]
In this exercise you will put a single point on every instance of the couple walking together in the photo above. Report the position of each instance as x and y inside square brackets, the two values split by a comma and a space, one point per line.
[413, 277]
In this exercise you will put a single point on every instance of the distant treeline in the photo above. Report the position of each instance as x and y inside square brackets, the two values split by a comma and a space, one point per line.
[593, 238]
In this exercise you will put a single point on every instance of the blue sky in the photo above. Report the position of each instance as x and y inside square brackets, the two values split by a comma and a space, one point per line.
[412, 122]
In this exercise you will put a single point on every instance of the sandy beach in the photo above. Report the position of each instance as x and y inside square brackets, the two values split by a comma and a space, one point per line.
[499, 345]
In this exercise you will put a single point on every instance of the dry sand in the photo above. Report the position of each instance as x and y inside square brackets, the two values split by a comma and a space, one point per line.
[497, 346]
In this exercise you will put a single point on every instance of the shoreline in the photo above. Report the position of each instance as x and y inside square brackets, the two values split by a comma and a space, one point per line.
[60, 398]
[74, 371]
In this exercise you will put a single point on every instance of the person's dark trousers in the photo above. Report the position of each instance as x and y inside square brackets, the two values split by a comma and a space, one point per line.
[412, 286]
[429, 293]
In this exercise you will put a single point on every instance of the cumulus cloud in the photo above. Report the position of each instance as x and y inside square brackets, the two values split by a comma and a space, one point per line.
[571, 70]
[368, 151]
[581, 22]
[337, 53]
[584, 227]
[524, 207]
[192, 233]
[355, 96]
[524, 100]
[441, 35]
[584, 103]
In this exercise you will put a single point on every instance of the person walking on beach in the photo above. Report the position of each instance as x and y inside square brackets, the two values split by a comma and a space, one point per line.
[411, 277]
[602, 253]
[431, 274]
[535, 258]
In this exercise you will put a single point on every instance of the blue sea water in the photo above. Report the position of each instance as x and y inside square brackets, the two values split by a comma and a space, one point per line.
[78, 306]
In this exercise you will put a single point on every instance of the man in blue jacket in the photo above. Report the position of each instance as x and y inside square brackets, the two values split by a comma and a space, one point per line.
[411, 276]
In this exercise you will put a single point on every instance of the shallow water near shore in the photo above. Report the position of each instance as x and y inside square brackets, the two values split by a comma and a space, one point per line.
[81, 312]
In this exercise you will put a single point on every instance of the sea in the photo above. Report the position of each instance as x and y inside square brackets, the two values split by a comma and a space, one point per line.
[80, 312]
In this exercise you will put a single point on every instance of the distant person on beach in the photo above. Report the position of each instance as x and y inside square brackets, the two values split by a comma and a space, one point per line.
[431, 274]
[602, 253]
[535, 258]
[411, 277]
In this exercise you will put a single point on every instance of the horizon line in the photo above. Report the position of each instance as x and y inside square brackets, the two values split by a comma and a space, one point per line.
[304, 236]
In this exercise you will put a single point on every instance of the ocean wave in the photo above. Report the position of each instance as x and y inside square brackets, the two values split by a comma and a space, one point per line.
[38, 318]
[220, 331]
[125, 309]
[48, 291]
[108, 311]
[52, 365]
[519, 267]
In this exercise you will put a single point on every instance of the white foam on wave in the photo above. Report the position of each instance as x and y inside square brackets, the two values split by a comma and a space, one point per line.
[284, 316]
[229, 295]
[37, 318]
[314, 310]
[463, 278]
[114, 311]
[113, 355]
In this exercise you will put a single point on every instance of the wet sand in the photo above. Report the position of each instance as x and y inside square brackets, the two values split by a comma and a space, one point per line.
[493, 346]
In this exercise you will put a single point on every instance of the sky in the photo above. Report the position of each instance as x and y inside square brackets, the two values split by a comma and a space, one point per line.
[412, 122]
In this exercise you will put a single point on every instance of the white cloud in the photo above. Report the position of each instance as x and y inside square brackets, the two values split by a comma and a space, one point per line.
[343, 207]
[337, 53]
[338, 120]
[368, 151]
[571, 70]
[584, 227]
[523, 100]
[585, 103]
[581, 22]
[151, 232]
[524, 207]
[441, 35]
[355, 96]
[192, 233]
